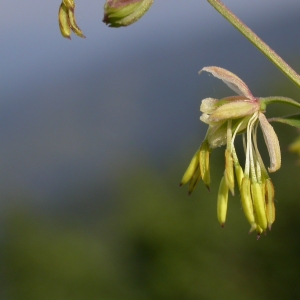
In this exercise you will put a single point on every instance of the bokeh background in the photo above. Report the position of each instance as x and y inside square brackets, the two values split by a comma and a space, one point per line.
[95, 136]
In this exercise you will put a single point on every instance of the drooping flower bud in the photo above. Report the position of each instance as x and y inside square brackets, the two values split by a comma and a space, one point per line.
[247, 203]
[204, 155]
[269, 198]
[229, 173]
[67, 20]
[198, 168]
[118, 13]
[63, 21]
[222, 202]
[191, 170]
[259, 205]
[194, 180]
[70, 4]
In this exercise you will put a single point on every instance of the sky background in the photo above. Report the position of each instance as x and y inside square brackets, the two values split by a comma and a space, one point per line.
[81, 110]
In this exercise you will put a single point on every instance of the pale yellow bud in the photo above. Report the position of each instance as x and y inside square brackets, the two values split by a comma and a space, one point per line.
[70, 4]
[73, 24]
[233, 110]
[194, 180]
[194, 164]
[204, 155]
[63, 21]
[259, 205]
[222, 202]
[269, 198]
[229, 174]
[66, 19]
[247, 204]
[239, 173]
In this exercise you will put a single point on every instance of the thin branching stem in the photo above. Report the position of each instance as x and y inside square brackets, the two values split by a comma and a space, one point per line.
[256, 41]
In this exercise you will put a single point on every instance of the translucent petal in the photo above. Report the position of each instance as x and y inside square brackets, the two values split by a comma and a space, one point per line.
[272, 143]
[233, 81]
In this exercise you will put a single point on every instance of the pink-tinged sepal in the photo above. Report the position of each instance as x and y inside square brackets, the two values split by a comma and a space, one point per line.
[233, 81]
[120, 13]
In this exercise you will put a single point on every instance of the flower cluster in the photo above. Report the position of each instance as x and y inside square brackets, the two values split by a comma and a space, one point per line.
[226, 118]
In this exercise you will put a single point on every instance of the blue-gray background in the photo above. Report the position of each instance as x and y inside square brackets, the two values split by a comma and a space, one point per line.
[94, 130]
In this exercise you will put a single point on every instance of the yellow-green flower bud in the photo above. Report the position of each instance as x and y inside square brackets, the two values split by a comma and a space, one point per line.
[63, 21]
[229, 174]
[73, 24]
[239, 173]
[247, 204]
[70, 4]
[233, 110]
[204, 155]
[194, 180]
[259, 205]
[66, 19]
[222, 202]
[269, 198]
[194, 164]
[119, 13]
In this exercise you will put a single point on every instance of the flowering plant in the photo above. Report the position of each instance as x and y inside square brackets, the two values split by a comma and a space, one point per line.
[226, 118]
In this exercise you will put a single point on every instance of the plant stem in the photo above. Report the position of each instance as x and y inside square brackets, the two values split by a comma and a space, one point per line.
[283, 100]
[256, 41]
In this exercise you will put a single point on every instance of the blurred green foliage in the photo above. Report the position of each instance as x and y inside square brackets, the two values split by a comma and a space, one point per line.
[153, 242]
[156, 243]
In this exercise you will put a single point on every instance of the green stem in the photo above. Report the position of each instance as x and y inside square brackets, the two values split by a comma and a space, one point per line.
[256, 41]
[284, 100]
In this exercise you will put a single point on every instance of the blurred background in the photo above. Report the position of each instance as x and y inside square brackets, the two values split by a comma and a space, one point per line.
[95, 136]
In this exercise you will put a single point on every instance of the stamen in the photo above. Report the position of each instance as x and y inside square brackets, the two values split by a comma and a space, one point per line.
[252, 158]
[234, 134]
[229, 135]
[252, 167]
[258, 156]
[249, 157]
[258, 169]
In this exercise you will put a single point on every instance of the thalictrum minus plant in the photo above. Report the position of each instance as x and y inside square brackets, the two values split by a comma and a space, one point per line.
[226, 118]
